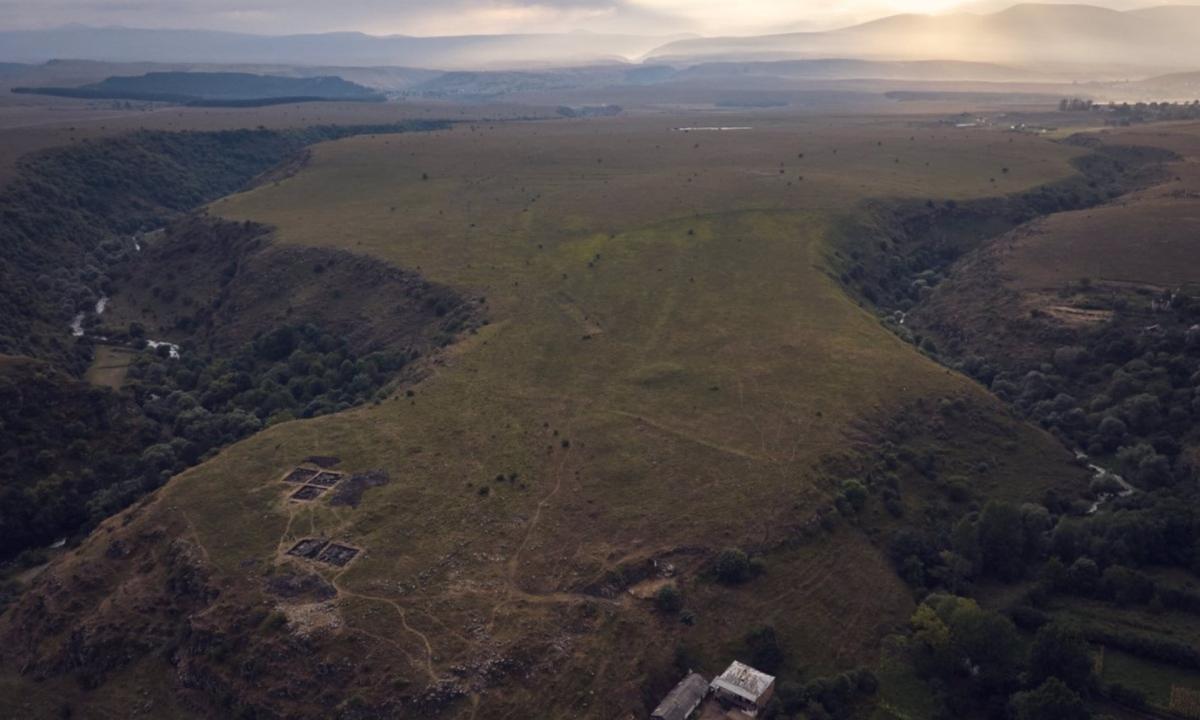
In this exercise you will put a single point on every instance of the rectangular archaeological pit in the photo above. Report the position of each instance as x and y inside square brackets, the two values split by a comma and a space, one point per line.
[308, 548]
[301, 476]
[338, 555]
[326, 479]
[308, 492]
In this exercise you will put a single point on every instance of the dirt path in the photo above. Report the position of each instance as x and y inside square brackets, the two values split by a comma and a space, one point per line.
[689, 437]
[515, 561]
[433, 676]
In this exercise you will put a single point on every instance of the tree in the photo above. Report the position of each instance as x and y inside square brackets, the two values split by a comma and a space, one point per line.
[1036, 524]
[855, 493]
[1002, 540]
[1142, 464]
[669, 599]
[1083, 577]
[1143, 412]
[733, 566]
[988, 643]
[1053, 575]
[954, 572]
[1059, 651]
[1111, 431]
[952, 637]
[1052, 700]
[764, 650]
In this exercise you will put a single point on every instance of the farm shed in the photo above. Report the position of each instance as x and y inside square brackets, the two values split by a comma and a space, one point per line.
[743, 687]
[682, 701]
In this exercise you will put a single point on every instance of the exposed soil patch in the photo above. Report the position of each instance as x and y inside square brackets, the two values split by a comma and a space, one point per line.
[1078, 317]
[307, 587]
[323, 461]
[350, 491]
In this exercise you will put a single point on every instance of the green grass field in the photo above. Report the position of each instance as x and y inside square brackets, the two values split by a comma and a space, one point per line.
[666, 367]
[1155, 680]
[110, 366]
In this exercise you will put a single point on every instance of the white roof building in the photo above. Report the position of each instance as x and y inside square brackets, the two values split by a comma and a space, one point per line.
[744, 686]
[683, 700]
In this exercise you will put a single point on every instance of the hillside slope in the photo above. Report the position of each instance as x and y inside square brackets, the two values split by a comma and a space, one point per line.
[656, 384]
[1074, 270]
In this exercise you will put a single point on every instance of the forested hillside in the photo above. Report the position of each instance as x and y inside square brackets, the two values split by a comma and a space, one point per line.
[73, 454]
[68, 217]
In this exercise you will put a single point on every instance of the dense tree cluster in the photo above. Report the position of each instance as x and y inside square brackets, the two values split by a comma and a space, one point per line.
[1124, 391]
[68, 215]
[977, 663]
[64, 443]
[824, 698]
[293, 371]
[78, 453]
[1127, 114]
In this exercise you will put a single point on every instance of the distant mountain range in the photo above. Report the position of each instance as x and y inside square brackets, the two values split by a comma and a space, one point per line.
[1052, 37]
[1078, 39]
[357, 49]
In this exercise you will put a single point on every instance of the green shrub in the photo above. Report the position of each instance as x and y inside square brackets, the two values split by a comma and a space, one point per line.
[732, 566]
[669, 599]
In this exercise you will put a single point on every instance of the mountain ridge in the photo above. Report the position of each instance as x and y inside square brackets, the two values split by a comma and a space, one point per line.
[1151, 40]
[1166, 38]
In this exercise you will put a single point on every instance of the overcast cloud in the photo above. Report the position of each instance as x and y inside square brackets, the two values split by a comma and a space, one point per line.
[451, 17]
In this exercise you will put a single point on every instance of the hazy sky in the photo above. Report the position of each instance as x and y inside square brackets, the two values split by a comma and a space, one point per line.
[444, 17]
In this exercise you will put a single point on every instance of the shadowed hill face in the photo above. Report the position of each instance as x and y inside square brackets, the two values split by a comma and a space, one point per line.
[669, 371]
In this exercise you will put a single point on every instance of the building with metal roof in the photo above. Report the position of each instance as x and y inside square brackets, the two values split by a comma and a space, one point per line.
[684, 698]
[743, 687]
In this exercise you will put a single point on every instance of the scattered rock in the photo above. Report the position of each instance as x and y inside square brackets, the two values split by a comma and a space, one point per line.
[301, 586]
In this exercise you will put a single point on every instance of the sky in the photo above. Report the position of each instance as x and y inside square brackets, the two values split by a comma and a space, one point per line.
[455, 17]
